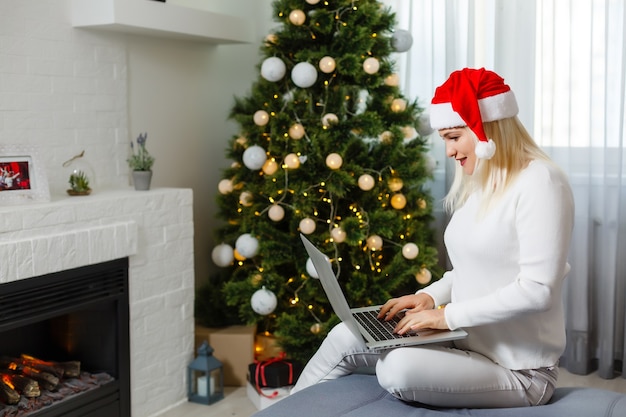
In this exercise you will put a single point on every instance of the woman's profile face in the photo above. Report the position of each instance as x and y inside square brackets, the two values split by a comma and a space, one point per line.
[460, 145]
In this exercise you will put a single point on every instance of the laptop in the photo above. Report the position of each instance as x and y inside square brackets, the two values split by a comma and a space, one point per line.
[363, 321]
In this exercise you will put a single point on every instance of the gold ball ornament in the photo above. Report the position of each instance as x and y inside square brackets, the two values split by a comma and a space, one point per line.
[366, 182]
[423, 276]
[245, 199]
[409, 132]
[261, 118]
[395, 184]
[392, 80]
[307, 225]
[296, 131]
[338, 234]
[374, 242]
[316, 328]
[271, 38]
[371, 65]
[398, 201]
[410, 250]
[327, 64]
[270, 167]
[292, 161]
[386, 136]
[225, 186]
[329, 119]
[238, 256]
[297, 17]
[334, 161]
[398, 105]
[276, 213]
[421, 203]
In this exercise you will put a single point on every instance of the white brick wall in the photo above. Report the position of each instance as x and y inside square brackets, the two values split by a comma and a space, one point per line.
[63, 90]
[155, 229]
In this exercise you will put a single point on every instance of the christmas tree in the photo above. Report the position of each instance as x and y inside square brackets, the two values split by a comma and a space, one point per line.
[328, 147]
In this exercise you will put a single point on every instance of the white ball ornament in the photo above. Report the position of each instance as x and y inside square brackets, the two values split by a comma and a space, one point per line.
[338, 234]
[366, 182]
[296, 131]
[409, 132]
[371, 65]
[424, 125]
[334, 161]
[398, 201]
[312, 1]
[254, 157]
[329, 119]
[225, 186]
[261, 118]
[292, 161]
[276, 213]
[304, 75]
[327, 64]
[410, 251]
[398, 105]
[307, 225]
[222, 255]
[374, 242]
[247, 245]
[402, 40]
[263, 301]
[273, 69]
[297, 17]
[386, 136]
[270, 167]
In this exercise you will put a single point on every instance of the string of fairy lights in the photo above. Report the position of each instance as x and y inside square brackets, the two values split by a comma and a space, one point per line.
[257, 158]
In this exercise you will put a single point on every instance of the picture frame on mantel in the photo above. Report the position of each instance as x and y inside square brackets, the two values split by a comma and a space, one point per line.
[22, 176]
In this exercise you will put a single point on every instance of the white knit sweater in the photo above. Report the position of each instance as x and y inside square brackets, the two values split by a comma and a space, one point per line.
[508, 269]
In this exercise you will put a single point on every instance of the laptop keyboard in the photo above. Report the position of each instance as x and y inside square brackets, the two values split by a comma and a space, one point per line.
[379, 329]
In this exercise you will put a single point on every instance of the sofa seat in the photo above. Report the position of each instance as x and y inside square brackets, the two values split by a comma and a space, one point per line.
[359, 395]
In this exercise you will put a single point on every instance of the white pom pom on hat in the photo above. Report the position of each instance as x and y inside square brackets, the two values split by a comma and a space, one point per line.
[470, 97]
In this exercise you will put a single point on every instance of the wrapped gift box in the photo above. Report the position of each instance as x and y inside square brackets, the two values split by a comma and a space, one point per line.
[233, 346]
[264, 397]
[274, 373]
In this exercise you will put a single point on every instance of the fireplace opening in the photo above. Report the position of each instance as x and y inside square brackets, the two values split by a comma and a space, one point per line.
[79, 315]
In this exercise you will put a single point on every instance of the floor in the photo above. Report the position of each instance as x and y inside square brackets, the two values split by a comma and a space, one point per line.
[237, 404]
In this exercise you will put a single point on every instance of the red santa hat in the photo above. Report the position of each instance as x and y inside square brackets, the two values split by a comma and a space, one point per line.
[469, 98]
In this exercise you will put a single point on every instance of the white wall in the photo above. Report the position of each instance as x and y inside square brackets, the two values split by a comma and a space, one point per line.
[181, 94]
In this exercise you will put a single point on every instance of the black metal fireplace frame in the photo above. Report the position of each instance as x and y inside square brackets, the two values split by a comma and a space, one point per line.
[99, 288]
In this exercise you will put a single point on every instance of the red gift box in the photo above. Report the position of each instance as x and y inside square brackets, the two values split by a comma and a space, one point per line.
[274, 372]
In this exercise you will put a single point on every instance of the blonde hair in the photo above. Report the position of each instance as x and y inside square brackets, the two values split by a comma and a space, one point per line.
[515, 148]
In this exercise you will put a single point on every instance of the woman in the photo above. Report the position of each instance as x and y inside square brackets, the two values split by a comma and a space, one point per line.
[507, 240]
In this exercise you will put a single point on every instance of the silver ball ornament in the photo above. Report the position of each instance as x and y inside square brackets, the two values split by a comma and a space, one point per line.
[273, 69]
[263, 301]
[247, 245]
[402, 40]
[304, 75]
[254, 157]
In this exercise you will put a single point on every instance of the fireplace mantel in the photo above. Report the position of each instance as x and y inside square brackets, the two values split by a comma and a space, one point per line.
[154, 229]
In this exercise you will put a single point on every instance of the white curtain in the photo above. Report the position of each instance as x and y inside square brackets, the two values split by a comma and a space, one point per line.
[566, 62]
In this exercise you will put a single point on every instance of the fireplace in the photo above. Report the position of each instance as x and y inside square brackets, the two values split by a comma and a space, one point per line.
[80, 314]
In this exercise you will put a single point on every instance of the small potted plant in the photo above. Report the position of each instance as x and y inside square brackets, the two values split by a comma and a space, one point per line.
[79, 184]
[140, 162]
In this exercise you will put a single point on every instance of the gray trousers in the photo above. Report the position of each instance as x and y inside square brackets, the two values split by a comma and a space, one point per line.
[438, 375]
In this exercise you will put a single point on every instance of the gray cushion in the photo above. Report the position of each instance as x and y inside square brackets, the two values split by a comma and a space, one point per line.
[361, 396]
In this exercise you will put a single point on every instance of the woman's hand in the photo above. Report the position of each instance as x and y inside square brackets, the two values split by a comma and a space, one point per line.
[412, 303]
[425, 319]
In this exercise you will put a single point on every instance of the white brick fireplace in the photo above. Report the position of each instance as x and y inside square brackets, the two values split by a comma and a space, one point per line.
[155, 230]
